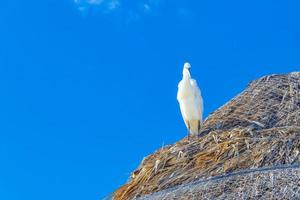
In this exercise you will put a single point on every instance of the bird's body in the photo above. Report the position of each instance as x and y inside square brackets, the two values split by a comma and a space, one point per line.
[190, 101]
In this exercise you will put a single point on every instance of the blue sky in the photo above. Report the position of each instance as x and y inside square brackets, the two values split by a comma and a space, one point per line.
[88, 87]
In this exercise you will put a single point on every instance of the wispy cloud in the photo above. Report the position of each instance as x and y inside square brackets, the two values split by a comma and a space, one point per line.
[113, 4]
[139, 8]
[127, 11]
[147, 8]
[88, 2]
[104, 5]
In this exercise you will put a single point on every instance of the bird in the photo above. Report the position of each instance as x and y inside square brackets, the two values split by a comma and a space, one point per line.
[190, 102]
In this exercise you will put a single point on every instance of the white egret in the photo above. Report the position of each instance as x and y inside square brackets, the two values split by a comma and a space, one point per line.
[190, 101]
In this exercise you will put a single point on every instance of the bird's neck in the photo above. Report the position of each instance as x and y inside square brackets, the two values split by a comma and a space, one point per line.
[186, 74]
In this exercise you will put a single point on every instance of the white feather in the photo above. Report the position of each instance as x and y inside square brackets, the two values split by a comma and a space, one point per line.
[190, 101]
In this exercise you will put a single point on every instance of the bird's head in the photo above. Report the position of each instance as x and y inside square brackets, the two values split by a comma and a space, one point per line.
[186, 70]
[187, 66]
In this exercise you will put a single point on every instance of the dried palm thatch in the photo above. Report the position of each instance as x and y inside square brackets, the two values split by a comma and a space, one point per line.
[280, 182]
[258, 128]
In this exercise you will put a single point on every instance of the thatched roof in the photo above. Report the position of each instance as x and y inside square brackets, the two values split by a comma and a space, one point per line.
[258, 128]
[262, 183]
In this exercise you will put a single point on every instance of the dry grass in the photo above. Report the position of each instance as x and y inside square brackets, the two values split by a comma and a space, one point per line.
[260, 127]
[280, 182]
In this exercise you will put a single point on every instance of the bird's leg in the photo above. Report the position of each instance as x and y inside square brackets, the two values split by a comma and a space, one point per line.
[189, 131]
[189, 135]
[199, 128]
